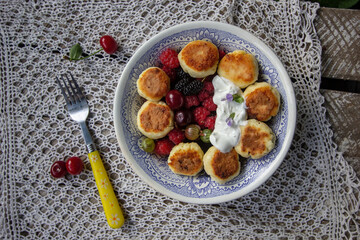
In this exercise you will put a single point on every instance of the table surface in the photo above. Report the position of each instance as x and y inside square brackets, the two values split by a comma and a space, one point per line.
[338, 30]
[339, 33]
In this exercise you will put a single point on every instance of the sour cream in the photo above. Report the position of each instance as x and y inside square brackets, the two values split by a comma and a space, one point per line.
[225, 137]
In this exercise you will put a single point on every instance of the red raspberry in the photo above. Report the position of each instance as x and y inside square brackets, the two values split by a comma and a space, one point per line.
[209, 87]
[169, 58]
[221, 54]
[209, 104]
[176, 136]
[210, 122]
[170, 72]
[163, 147]
[203, 94]
[200, 114]
[191, 101]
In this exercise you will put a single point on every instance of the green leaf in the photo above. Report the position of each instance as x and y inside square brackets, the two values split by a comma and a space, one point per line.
[75, 52]
[237, 98]
[232, 116]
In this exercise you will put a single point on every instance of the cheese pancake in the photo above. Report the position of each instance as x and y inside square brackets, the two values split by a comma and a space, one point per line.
[262, 101]
[186, 159]
[256, 140]
[155, 119]
[222, 167]
[239, 67]
[199, 58]
[153, 84]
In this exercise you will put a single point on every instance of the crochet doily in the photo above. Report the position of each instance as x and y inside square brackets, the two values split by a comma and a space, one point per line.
[314, 194]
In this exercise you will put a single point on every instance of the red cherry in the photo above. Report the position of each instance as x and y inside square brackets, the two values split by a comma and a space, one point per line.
[174, 99]
[74, 165]
[58, 169]
[183, 117]
[109, 44]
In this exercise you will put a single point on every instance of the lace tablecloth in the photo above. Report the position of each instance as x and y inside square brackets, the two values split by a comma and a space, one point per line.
[314, 194]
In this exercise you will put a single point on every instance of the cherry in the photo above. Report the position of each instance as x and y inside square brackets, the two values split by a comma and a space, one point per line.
[74, 165]
[174, 99]
[109, 44]
[58, 169]
[183, 117]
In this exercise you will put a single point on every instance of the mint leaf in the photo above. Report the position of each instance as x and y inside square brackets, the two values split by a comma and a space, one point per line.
[237, 98]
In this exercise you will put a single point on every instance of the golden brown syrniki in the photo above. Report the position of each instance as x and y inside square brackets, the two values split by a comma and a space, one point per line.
[257, 139]
[199, 58]
[153, 84]
[221, 167]
[262, 101]
[155, 119]
[239, 67]
[186, 159]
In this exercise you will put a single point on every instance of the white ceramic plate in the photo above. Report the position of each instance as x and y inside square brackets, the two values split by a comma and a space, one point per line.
[152, 168]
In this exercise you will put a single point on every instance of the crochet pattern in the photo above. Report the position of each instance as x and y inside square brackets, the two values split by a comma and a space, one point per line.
[314, 194]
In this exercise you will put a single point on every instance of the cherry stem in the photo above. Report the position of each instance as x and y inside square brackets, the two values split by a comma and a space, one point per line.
[76, 59]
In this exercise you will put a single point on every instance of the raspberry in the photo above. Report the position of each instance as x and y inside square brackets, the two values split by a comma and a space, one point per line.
[163, 147]
[176, 136]
[221, 54]
[203, 95]
[170, 72]
[209, 87]
[209, 104]
[191, 101]
[169, 58]
[200, 114]
[210, 122]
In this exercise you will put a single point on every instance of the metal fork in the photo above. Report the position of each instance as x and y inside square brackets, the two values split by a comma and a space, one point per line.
[79, 111]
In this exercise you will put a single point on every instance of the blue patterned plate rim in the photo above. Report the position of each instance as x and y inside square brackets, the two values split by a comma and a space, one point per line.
[264, 49]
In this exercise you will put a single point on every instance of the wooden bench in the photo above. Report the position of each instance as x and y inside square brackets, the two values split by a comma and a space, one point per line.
[339, 33]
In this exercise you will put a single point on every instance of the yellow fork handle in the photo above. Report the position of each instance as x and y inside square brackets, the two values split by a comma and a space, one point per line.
[113, 212]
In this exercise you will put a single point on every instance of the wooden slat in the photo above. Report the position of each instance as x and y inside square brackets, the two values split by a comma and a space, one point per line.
[339, 33]
[343, 112]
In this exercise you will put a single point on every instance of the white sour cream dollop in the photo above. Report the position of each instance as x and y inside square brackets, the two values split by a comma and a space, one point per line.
[225, 137]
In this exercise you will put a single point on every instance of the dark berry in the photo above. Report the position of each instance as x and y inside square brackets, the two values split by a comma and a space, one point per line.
[183, 117]
[58, 169]
[180, 74]
[74, 165]
[193, 88]
[182, 84]
[174, 99]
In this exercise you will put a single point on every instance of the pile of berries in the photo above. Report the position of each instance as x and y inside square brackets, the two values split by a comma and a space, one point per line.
[191, 100]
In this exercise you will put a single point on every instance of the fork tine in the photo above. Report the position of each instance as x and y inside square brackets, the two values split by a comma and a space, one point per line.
[67, 90]
[63, 91]
[81, 95]
[74, 94]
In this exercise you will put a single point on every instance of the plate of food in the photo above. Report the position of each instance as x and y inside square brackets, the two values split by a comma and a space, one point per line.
[204, 112]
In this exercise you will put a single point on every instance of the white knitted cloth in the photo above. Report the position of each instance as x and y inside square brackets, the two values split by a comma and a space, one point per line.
[313, 195]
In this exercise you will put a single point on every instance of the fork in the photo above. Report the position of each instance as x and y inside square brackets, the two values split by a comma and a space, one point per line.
[79, 111]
